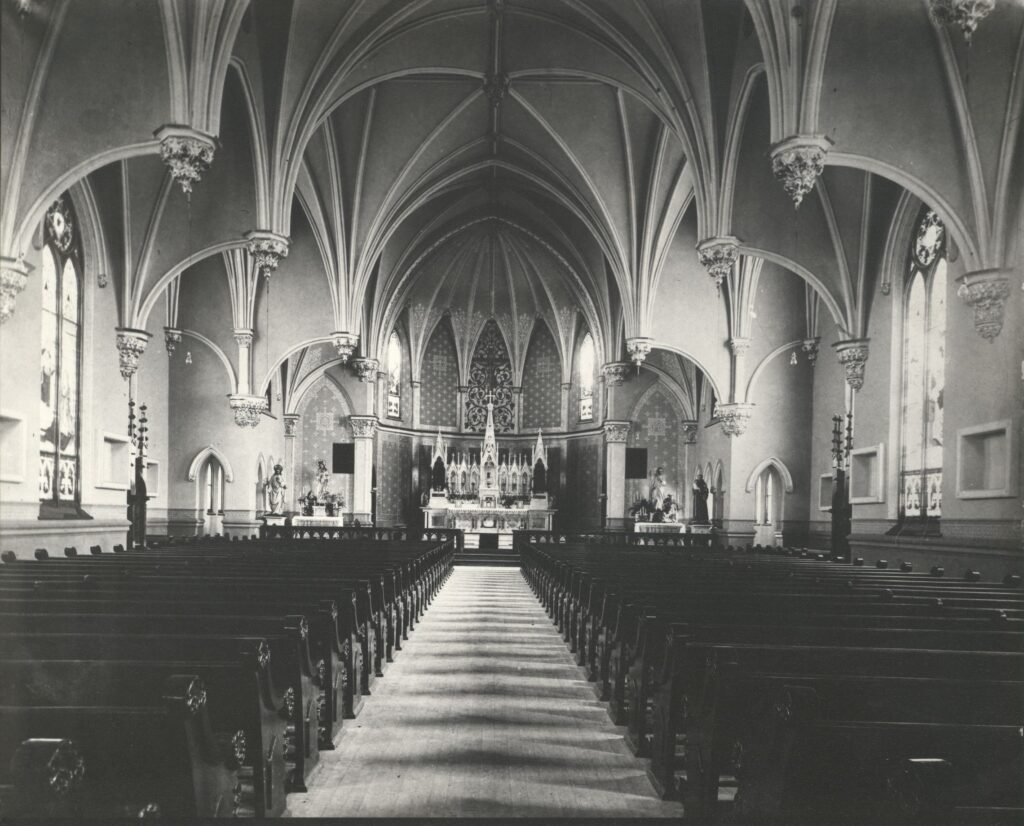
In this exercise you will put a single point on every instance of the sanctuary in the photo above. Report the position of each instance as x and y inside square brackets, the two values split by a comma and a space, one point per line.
[489, 495]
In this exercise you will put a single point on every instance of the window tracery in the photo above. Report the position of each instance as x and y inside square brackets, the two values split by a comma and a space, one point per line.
[587, 367]
[490, 372]
[394, 376]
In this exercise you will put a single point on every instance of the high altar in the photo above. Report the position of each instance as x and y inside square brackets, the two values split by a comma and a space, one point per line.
[489, 496]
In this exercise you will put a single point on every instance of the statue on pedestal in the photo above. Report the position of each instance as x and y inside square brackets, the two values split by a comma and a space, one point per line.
[275, 491]
[323, 481]
[658, 489]
[700, 501]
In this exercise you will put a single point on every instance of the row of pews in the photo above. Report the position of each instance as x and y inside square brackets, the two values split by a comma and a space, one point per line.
[194, 679]
[785, 688]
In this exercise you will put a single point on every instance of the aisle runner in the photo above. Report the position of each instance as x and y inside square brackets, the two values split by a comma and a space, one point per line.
[482, 714]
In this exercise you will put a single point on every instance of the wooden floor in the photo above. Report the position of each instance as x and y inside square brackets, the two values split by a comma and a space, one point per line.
[482, 714]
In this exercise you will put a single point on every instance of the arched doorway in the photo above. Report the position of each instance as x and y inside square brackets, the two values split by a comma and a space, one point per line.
[769, 482]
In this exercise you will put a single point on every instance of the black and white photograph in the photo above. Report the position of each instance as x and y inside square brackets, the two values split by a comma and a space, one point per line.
[567, 410]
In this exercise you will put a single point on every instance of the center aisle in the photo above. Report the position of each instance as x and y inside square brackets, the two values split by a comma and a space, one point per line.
[482, 714]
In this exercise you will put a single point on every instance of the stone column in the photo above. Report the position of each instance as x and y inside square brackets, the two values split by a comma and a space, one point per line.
[566, 386]
[461, 412]
[615, 435]
[243, 338]
[364, 428]
[739, 347]
[291, 426]
[416, 385]
[517, 406]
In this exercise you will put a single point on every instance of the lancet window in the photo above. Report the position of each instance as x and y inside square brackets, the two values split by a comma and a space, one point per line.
[587, 368]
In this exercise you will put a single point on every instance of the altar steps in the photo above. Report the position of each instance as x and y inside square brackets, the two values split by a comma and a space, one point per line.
[500, 559]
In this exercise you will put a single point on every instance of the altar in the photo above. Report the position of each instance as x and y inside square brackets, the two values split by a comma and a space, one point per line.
[491, 495]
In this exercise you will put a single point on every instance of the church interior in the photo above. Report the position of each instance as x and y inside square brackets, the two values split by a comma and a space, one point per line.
[639, 384]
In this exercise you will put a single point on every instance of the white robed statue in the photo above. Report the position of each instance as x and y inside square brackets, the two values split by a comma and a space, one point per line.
[658, 490]
[275, 491]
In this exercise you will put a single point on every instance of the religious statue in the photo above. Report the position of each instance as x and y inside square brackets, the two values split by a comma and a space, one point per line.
[668, 508]
[700, 500]
[275, 491]
[323, 480]
[657, 490]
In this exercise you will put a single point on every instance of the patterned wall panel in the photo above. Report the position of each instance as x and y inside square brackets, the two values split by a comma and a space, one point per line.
[323, 421]
[541, 379]
[655, 426]
[490, 372]
[580, 504]
[393, 478]
[440, 380]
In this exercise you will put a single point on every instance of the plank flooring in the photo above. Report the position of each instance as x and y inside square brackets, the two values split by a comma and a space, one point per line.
[482, 714]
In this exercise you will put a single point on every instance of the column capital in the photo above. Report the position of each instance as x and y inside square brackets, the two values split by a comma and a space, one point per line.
[172, 338]
[247, 408]
[243, 336]
[734, 417]
[188, 153]
[267, 248]
[616, 432]
[131, 344]
[853, 355]
[797, 162]
[615, 373]
[739, 345]
[689, 429]
[718, 255]
[13, 278]
[291, 423]
[639, 347]
[363, 427]
[345, 344]
[986, 291]
[366, 369]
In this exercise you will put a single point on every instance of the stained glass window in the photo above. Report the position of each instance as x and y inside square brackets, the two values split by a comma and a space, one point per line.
[924, 367]
[60, 325]
[394, 377]
[587, 365]
[490, 379]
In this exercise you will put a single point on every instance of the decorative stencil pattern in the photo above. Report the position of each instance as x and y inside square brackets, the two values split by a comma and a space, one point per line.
[393, 478]
[323, 421]
[656, 427]
[439, 391]
[542, 395]
[490, 372]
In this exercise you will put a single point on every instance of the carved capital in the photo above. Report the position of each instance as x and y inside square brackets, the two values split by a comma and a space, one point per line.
[853, 355]
[267, 249]
[363, 427]
[966, 14]
[810, 347]
[718, 255]
[639, 347]
[345, 344]
[172, 338]
[739, 346]
[616, 432]
[195, 696]
[986, 291]
[243, 337]
[131, 344]
[187, 153]
[689, 431]
[734, 417]
[366, 369]
[291, 422]
[13, 278]
[797, 162]
[247, 409]
[615, 373]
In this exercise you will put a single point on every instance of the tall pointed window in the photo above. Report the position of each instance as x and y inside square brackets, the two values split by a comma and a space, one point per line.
[924, 368]
[394, 377]
[59, 442]
[587, 359]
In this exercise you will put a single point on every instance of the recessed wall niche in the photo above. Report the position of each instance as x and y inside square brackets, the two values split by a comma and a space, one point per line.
[983, 459]
[866, 465]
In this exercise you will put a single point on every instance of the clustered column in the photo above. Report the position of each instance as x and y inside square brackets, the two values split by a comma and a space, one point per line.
[615, 435]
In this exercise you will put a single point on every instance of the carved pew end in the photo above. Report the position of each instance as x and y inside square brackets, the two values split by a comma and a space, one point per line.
[71, 551]
[882, 564]
[1012, 580]
[859, 561]
[95, 550]
[119, 549]
[41, 554]
[8, 556]
[937, 571]
[907, 567]
[919, 788]
[972, 576]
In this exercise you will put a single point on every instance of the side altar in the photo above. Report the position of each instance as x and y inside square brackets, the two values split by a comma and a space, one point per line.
[489, 496]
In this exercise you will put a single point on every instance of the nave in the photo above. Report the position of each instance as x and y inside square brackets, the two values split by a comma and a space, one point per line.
[482, 714]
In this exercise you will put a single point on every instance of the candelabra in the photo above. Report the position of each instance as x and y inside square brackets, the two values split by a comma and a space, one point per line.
[138, 434]
[842, 512]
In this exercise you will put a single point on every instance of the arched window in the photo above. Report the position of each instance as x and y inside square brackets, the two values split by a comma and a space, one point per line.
[394, 377]
[211, 495]
[61, 322]
[587, 366]
[924, 368]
